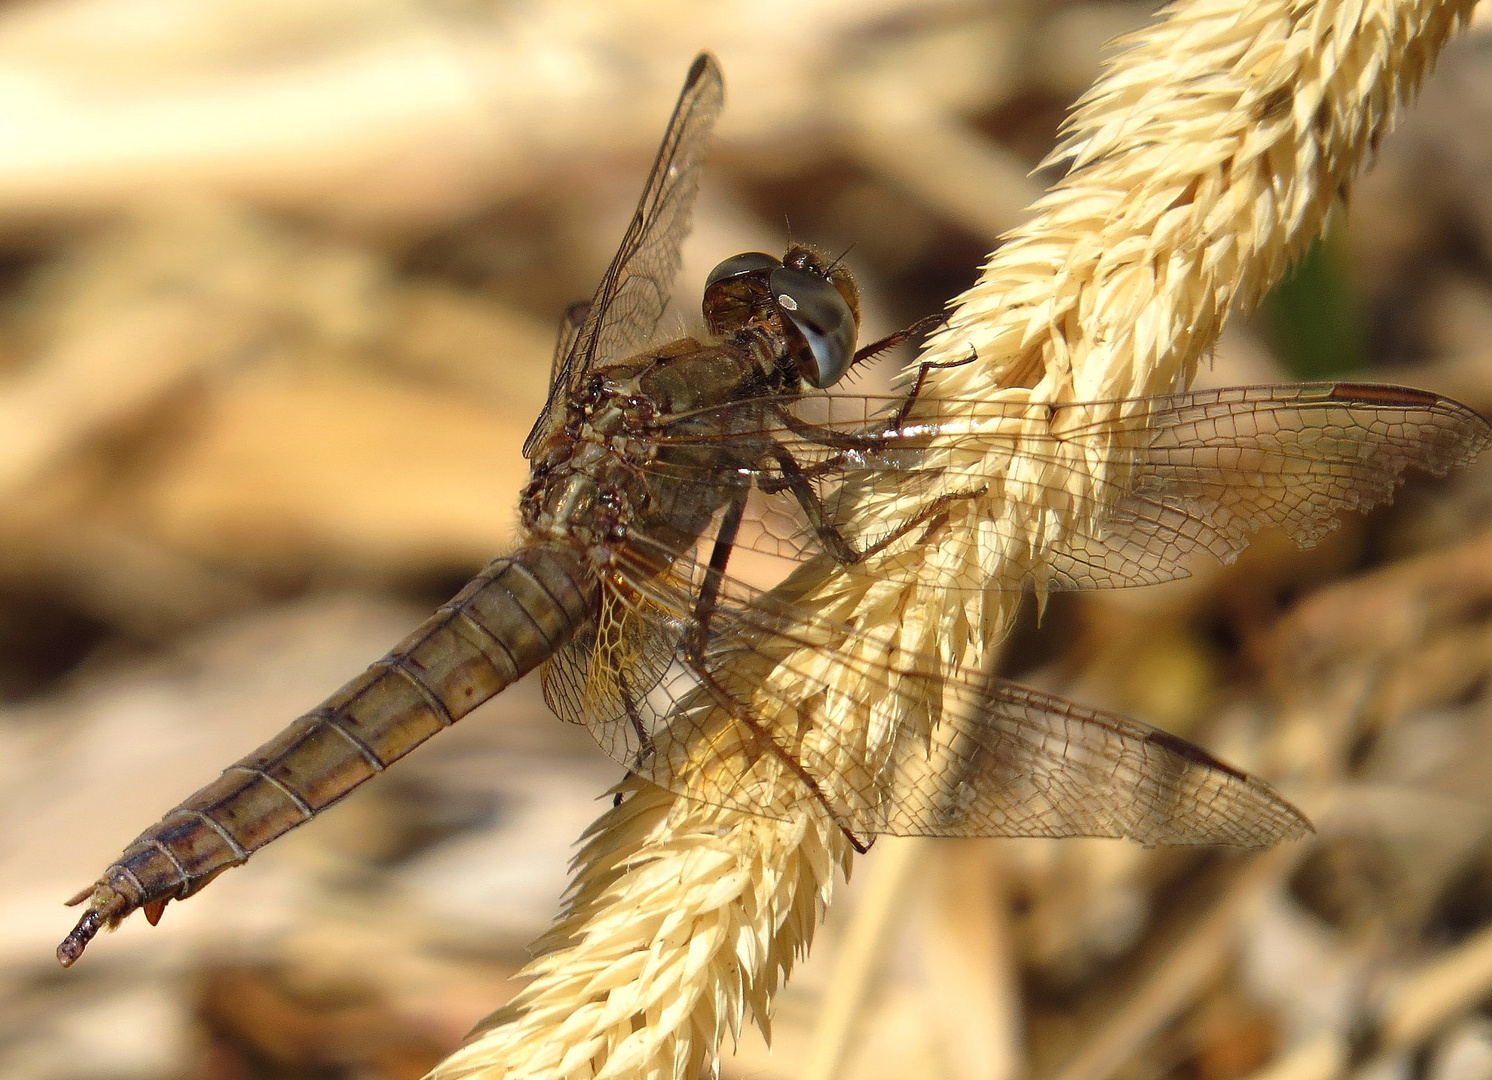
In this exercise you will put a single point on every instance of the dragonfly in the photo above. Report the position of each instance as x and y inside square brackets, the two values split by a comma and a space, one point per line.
[657, 470]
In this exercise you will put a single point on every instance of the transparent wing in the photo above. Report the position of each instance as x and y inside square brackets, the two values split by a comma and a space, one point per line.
[597, 677]
[1218, 467]
[570, 323]
[784, 709]
[1142, 485]
[765, 706]
[635, 289]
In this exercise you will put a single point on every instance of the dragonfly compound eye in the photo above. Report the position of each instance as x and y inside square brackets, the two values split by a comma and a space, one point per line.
[737, 265]
[823, 316]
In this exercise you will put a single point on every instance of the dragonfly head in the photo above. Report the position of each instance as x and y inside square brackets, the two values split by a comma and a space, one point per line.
[816, 300]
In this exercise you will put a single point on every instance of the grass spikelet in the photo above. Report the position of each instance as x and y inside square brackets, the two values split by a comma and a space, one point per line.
[1200, 164]
[682, 921]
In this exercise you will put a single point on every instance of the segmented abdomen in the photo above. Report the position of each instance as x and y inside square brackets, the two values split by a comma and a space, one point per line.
[504, 623]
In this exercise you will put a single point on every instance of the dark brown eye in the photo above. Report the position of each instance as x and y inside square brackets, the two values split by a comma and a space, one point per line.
[822, 316]
[742, 264]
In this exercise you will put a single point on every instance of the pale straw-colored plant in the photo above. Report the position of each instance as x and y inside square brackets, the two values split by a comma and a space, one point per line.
[1203, 161]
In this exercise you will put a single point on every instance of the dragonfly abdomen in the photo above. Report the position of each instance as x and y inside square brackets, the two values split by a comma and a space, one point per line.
[504, 623]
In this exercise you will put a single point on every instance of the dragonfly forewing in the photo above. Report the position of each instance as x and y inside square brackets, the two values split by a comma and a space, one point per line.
[1141, 485]
[636, 287]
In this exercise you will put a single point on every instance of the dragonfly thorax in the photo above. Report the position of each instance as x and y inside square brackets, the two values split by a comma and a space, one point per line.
[587, 482]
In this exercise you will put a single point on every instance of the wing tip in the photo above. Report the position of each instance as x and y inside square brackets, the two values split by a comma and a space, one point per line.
[1273, 818]
[1473, 432]
[705, 78]
[1287, 822]
[704, 62]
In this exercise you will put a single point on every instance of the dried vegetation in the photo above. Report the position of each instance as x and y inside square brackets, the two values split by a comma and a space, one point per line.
[276, 290]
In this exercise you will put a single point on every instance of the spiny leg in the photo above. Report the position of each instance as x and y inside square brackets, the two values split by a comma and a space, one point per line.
[937, 508]
[919, 380]
[709, 590]
[891, 341]
[870, 443]
[763, 737]
[921, 326]
[796, 480]
[645, 747]
[694, 659]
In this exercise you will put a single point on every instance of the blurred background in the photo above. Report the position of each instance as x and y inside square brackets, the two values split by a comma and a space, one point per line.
[278, 284]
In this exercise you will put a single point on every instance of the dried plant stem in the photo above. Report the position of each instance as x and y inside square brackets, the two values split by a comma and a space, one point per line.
[855, 965]
[1196, 956]
[1423, 1002]
[1438, 992]
[974, 982]
[1321, 1058]
[1202, 162]
[911, 143]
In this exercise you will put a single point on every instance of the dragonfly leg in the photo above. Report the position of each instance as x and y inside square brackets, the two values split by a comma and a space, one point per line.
[644, 740]
[891, 341]
[870, 443]
[795, 479]
[920, 379]
[932, 515]
[693, 656]
[709, 591]
[742, 714]
[697, 641]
